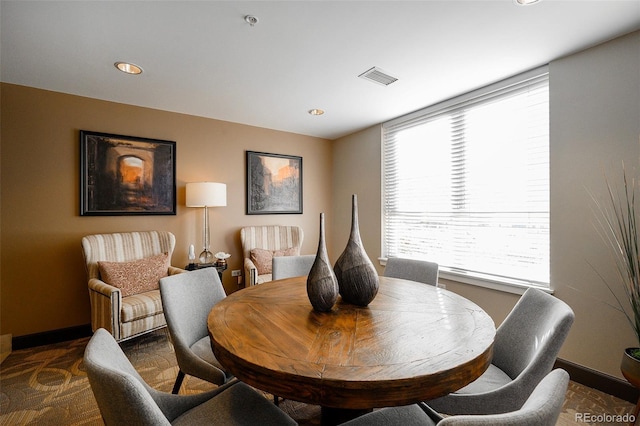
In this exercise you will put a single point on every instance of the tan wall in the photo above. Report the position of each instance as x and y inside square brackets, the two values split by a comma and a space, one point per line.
[43, 283]
[595, 123]
[356, 170]
[595, 126]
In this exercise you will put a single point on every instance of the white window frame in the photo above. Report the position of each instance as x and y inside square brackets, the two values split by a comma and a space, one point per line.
[517, 286]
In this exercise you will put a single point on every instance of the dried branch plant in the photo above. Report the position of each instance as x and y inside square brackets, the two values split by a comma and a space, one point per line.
[618, 223]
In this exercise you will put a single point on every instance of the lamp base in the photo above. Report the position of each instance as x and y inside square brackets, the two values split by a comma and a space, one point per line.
[206, 257]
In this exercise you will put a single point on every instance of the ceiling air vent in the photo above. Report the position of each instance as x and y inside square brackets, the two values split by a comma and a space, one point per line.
[378, 76]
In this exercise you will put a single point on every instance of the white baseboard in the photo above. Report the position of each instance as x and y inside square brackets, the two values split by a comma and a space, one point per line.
[5, 346]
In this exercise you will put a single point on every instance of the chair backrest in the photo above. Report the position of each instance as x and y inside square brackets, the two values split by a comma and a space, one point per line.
[122, 395]
[124, 247]
[187, 299]
[271, 237]
[411, 269]
[542, 408]
[292, 266]
[531, 336]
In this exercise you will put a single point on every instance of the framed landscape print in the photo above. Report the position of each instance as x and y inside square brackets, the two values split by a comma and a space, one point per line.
[126, 175]
[274, 183]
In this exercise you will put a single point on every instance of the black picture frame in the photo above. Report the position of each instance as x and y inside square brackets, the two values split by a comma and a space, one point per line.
[126, 175]
[274, 183]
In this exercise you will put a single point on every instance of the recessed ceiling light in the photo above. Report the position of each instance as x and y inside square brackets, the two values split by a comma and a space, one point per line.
[316, 111]
[251, 20]
[128, 68]
[525, 2]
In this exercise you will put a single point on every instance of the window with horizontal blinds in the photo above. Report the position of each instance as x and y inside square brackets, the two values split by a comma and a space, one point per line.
[466, 183]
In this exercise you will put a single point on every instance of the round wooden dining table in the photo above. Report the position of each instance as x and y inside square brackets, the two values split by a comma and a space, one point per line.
[413, 342]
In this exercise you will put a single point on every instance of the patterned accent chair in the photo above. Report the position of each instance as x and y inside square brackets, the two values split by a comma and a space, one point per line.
[127, 312]
[261, 243]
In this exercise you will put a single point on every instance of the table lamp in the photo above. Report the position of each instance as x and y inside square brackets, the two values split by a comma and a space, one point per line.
[206, 194]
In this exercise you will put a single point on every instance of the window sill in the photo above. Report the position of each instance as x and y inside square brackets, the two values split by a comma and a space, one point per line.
[504, 286]
[514, 287]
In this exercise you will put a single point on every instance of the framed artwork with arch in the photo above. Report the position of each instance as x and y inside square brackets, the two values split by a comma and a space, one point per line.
[126, 175]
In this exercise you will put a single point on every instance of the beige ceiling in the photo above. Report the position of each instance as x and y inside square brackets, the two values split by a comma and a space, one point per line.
[202, 58]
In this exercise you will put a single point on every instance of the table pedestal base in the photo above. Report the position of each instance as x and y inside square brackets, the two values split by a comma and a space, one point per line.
[335, 416]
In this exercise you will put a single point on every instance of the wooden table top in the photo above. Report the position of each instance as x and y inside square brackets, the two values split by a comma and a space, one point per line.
[414, 342]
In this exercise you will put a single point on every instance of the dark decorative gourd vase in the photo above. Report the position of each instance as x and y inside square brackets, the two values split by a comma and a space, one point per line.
[357, 277]
[322, 285]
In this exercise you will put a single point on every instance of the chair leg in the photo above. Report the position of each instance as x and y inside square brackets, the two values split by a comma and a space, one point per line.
[179, 379]
[276, 400]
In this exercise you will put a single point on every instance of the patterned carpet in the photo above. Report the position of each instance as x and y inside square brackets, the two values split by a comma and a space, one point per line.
[47, 385]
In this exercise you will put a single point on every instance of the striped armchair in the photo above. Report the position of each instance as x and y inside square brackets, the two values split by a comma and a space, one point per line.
[272, 238]
[131, 315]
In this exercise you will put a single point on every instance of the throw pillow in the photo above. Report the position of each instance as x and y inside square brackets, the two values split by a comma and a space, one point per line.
[136, 276]
[291, 251]
[263, 258]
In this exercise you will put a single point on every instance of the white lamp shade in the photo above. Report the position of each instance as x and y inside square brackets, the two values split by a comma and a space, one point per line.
[206, 194]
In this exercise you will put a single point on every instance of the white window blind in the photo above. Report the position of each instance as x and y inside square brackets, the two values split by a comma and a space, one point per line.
[466, 183]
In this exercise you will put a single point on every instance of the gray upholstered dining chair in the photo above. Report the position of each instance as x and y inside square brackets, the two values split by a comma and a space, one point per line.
[287, 267]
[187, 299]
[525, 348]
[292, 266]
[411, 269]
[124, 398]
[542, 408]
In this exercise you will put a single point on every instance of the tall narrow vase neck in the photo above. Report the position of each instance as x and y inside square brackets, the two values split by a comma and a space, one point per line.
[321, 240]
[355, 227]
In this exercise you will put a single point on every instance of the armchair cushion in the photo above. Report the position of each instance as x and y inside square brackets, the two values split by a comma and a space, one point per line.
[263, 258]
[141, 305]
[137, 276]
